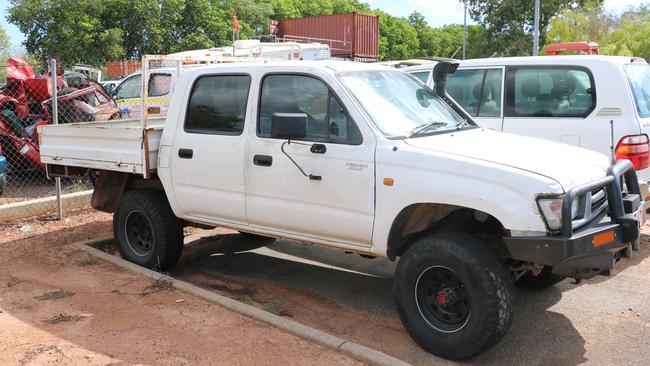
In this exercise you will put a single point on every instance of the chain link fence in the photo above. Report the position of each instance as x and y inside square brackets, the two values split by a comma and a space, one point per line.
[26, 103]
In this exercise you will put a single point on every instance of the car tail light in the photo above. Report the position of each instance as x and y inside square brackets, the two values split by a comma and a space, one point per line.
[635, 149]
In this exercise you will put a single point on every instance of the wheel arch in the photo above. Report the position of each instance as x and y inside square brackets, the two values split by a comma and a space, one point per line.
[419, 219]
[111, 186]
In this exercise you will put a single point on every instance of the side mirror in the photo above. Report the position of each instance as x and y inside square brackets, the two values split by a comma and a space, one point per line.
[289, 126]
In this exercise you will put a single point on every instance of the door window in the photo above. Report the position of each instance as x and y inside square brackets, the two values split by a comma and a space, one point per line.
[550, 92]
[218, 105]
[477, 91]
[327, 120]
[159, 84]
[130, 88]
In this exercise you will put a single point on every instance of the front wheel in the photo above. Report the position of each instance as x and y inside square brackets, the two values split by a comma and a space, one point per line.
[453, 295]
[147, 231]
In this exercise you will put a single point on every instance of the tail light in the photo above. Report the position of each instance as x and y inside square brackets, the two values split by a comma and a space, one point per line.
[635, 149]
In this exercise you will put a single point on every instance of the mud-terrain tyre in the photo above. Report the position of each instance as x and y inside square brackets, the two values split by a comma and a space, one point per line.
[453, 295]
[544, 279]
[147, 231]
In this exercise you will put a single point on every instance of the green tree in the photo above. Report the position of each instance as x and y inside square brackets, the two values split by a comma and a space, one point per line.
[397, 38]
[590, 23]
[71, 29]
[5, 44]
[630, 37]
[509, 23]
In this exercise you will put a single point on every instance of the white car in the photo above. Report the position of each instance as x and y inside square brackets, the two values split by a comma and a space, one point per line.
[576, 100]
[361, 158]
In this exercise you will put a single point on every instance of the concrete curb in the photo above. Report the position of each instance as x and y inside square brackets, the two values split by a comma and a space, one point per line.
[354, 350]
[40, 206]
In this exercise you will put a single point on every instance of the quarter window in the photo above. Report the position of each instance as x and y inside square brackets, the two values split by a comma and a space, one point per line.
[423, 76]
[327, 120]
[218, 105]
[550, 92]
[477, 91]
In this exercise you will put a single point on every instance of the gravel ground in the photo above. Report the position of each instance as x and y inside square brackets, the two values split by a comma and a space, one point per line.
[60, 306]
[600, 321]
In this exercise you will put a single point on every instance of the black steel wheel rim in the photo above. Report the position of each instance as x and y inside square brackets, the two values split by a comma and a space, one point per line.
[443, 299]
[139, 233]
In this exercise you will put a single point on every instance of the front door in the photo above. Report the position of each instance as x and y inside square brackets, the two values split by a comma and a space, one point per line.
[335, 204]
[208, 151]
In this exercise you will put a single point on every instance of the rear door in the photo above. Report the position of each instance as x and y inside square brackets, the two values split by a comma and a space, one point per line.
[480, 92]
[554, 103]
[209, 148]
[339, 206]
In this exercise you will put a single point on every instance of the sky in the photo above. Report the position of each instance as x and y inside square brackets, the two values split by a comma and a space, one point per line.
[437, 12]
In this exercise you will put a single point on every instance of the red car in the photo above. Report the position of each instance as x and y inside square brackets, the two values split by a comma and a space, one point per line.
[25, 104]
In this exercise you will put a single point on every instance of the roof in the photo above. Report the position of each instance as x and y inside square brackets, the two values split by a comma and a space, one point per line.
[568, 59]
[334, 66]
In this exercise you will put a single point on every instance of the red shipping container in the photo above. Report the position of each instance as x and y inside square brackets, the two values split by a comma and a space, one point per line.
[119, 69]
[352, 35]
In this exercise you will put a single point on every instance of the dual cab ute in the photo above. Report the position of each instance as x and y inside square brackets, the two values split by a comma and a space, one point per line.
[365, 159]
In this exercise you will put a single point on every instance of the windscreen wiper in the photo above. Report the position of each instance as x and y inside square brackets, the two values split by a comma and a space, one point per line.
[419, 129]
[462, 124]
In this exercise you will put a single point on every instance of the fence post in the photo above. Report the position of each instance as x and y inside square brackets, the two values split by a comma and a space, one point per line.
[55, 121]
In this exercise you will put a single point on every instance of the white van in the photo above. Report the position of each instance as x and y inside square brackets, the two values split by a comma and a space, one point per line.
[570, 99]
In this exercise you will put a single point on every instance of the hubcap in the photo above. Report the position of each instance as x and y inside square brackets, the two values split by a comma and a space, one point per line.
[139, 234]
[442, 299]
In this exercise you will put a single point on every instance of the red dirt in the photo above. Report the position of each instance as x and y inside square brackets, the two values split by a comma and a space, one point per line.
[59, 305]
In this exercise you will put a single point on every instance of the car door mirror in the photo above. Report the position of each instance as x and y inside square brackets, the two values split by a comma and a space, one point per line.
[289, 126]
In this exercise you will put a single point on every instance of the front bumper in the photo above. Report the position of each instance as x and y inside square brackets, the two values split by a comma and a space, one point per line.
[595, 248]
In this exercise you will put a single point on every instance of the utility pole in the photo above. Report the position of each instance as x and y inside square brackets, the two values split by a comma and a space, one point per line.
[465, 29]
[536, 31]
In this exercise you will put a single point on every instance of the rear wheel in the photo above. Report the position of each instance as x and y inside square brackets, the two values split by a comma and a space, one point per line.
[147, 231]
[453, 295]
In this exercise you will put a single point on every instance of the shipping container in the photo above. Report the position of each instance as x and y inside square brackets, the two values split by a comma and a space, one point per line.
[119, 69]
[352, 36]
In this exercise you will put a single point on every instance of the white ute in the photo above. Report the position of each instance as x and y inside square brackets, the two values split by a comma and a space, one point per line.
[361, 158]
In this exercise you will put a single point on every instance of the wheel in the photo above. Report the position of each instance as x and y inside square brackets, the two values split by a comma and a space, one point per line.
[453, 295]
[147, 231]
[543, 280]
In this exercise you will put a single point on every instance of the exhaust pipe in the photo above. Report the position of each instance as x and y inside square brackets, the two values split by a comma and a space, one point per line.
[440, 72]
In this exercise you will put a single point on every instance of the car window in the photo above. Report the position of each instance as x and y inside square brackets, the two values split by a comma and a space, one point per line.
[129, 88]
[159, 84]
[550, 92]
[638, 76]
[327, 120]
[464, 86]
[218, 105]
[423, 76]
[490, 104]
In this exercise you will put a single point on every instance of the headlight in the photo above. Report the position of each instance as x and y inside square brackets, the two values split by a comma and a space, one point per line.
[552, 211]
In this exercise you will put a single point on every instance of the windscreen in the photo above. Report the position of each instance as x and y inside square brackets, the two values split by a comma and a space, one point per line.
[638, 75]
[397, 103]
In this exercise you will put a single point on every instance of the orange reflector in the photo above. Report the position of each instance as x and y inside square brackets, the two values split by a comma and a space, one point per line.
[388, 182]
[603, 238]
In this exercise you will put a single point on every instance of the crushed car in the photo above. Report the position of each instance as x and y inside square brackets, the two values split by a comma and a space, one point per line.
[25, 104]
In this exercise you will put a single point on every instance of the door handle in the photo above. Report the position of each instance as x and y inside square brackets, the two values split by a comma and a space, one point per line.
[318, 149]
[185, 153]
[263, 160]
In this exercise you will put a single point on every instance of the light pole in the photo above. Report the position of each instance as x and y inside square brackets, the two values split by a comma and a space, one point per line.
[536, 30]
[464, 29]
